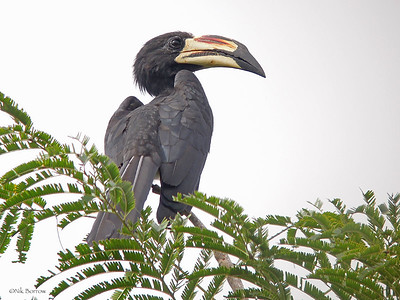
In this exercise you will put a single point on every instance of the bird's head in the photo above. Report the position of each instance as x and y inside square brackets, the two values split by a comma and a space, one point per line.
[164, 56]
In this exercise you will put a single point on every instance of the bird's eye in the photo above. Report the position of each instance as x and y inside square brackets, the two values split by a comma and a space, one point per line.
[175, 43]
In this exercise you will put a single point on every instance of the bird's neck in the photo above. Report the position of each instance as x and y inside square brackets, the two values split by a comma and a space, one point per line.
[157, 80]
[157, 85]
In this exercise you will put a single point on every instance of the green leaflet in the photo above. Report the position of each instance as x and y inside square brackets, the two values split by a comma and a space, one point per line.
[7, 228]
[25, 230]
[214, 287]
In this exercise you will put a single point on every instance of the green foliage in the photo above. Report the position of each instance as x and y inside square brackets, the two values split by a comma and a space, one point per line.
[337, 255]
[353, 259]
[23, 190]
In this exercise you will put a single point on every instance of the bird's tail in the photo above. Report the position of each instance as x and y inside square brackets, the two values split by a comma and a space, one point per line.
[140, 171]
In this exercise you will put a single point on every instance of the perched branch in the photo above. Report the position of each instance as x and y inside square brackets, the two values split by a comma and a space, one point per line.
[222, 258]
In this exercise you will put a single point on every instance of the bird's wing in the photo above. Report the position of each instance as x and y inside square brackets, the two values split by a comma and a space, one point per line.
[130, 141]
[114, 139]
[185, 131]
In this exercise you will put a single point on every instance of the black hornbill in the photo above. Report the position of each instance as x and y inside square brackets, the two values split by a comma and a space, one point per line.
[170, 136]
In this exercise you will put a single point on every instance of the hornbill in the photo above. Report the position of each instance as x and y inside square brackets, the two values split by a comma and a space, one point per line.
[170, 136]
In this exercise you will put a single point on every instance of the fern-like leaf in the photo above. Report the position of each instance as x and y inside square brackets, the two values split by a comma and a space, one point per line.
[10, 107]
[7, 228]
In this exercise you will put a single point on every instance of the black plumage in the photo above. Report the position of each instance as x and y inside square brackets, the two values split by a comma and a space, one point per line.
[171, 135]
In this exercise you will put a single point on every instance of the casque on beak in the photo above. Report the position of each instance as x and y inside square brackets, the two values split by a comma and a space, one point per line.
[211, 51]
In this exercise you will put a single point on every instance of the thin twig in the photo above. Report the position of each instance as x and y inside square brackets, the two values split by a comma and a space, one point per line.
[58, 235]
[280, 232]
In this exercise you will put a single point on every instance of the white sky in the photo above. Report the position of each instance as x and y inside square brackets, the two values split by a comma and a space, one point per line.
[323, 124]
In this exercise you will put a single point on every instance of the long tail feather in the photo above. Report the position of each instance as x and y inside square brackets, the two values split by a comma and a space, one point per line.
[141, 172]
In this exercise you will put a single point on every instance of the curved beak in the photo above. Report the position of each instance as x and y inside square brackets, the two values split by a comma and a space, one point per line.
[211, 51]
